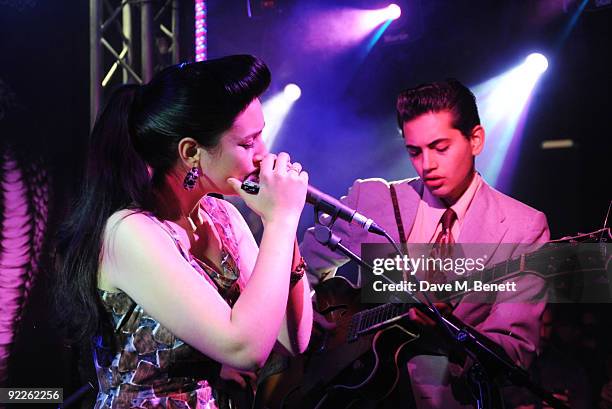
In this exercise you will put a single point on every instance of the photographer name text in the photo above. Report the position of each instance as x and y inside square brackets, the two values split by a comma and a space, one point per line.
[456, 286]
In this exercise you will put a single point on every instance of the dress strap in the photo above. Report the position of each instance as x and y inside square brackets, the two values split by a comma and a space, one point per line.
[186, 254]
[221, 219]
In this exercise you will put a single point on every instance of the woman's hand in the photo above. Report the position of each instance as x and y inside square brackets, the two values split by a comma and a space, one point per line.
[282, 189]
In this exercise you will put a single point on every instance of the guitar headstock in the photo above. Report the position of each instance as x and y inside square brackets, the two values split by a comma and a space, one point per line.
[598, 236]
[578, 269]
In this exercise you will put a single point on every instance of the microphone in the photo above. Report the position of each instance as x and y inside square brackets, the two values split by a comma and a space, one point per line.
[327, 204]
[332, 206]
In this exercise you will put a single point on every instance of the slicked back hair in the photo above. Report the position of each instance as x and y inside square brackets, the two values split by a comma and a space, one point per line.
[449, 95]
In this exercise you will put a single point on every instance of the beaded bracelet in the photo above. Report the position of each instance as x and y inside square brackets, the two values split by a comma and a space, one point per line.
[298, 272]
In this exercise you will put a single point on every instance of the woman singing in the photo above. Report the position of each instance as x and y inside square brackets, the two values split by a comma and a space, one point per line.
[164, 279]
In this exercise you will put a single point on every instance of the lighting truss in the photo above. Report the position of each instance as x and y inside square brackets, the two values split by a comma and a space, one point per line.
[113, 46]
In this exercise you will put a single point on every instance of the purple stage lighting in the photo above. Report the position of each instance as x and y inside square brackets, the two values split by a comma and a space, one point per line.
[373, 18]
[201, 48]
[292, 92]
[536, 63]
[504, 103]
[276, 108]
[346, 27]
[393, 11]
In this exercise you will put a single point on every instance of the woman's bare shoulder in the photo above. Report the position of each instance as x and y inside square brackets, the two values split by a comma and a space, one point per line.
[130, 221]
[125, 232]
[121, 215]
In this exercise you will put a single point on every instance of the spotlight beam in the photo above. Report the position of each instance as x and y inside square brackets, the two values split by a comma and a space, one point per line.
[504, 102]
[276, 110]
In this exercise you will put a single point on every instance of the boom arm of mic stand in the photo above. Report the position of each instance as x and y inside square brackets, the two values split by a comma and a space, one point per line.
[324, 235]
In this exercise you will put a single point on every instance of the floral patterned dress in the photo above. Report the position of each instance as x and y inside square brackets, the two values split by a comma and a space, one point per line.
[148, 367]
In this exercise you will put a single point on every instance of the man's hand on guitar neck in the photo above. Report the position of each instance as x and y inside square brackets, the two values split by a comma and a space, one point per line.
[421, 318]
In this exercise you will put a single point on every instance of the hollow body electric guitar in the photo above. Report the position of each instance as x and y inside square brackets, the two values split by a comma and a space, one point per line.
[360, 358]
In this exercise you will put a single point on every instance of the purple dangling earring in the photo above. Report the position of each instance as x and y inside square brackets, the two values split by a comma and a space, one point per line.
[191, 177]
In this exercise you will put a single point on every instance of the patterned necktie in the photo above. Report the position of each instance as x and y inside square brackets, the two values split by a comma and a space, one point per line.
[446, 236]
[442, 246]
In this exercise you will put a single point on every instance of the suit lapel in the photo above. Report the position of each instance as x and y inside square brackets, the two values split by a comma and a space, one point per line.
[483, 223]
[408, 196]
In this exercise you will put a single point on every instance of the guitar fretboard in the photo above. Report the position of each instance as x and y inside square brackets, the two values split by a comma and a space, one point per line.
[370, 319]
[554, 260]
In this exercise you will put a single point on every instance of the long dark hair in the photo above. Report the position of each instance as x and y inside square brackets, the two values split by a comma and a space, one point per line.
[133, 145]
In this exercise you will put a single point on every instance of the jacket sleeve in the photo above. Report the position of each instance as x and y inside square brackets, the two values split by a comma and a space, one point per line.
[514, 318]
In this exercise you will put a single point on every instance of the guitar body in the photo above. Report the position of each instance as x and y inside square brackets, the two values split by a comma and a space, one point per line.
[337, 374]
[373, 376]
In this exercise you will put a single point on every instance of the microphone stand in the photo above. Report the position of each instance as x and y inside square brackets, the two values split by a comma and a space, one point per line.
[490, 361]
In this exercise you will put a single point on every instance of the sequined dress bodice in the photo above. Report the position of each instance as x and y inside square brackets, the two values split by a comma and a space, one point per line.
[149, 367]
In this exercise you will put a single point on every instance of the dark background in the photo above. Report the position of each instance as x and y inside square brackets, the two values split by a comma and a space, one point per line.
[343, 127]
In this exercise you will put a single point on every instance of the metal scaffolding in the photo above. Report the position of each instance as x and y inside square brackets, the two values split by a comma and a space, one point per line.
[113, 46]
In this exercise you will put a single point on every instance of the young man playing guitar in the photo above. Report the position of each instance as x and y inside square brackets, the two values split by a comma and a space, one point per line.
[449, 202]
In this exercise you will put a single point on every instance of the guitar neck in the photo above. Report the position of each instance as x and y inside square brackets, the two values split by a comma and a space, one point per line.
[375, 318]
[383, 315]
[499, 272]
[555, 260]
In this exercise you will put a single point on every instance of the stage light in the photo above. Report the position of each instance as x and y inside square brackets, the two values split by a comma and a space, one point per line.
[275, 111]
[504, 103]
[558, 144]
[201, 46]
[393, 11]
[373, 18]
[536, 63]
[346, 27]
[292, 92]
